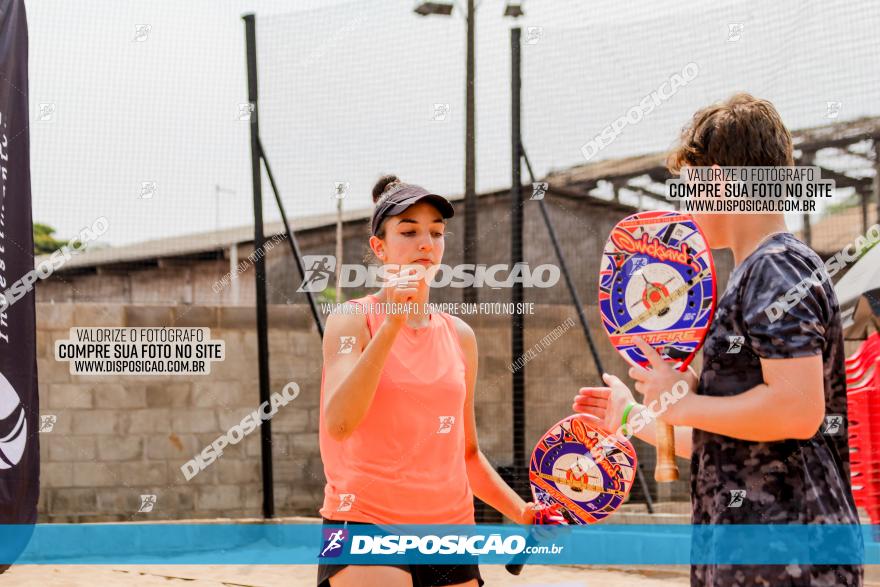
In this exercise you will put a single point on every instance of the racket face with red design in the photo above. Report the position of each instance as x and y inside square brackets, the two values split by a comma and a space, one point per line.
[657, 281]
[582, 469]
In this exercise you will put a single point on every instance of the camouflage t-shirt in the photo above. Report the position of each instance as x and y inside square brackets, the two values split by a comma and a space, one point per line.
[785, 482]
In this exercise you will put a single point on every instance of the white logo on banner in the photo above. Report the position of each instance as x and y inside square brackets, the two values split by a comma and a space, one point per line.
[11, 413]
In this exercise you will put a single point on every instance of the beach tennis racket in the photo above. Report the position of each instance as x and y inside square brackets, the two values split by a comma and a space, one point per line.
[657, 282]
[579, 474]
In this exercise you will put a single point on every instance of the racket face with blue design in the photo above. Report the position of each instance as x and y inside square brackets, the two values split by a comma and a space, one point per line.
[657, 281]
[582, 468]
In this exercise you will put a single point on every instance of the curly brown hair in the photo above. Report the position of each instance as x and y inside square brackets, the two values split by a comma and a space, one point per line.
[739, 132]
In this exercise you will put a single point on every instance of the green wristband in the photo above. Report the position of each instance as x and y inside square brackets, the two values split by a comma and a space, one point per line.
[625, 417]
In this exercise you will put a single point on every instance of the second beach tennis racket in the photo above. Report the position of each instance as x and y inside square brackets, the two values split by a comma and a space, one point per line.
[579, 474]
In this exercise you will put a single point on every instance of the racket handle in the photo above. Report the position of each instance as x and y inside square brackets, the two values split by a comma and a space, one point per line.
[666, 470]
[515, 566]
[544, 514]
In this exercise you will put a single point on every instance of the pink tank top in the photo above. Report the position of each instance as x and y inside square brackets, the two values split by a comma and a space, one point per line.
[405, 462]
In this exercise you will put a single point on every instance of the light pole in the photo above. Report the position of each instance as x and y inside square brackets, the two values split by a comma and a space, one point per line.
[469, 246]
[341, 188]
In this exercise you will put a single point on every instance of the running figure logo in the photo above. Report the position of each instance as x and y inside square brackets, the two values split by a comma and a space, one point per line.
[735, 32]
[141, 32]
[341, 189]
[637, 264]
[736, 498]
[46, 112]
[539, 188]
[440, 112]
[832, 424]
[446, 424]
[346, 500]
[47, 423]
[534, 34]
[832, 109]
[333, 541]
[736, 344]
[147, 503]
[319, 268]
[346, 344]
[148, 190]
[245, 111]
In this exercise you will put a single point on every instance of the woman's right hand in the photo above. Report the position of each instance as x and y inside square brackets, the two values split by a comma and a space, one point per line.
[403, 289]
[606, 403]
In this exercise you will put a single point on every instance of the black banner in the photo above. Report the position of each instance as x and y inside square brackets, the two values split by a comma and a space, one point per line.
[19, 401]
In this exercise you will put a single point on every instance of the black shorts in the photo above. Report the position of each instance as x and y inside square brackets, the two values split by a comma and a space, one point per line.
[422, 575]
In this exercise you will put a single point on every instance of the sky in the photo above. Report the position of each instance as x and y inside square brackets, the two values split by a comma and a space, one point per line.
[130, 99]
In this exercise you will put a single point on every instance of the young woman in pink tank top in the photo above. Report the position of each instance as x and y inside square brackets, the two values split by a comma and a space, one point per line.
[397, 432]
